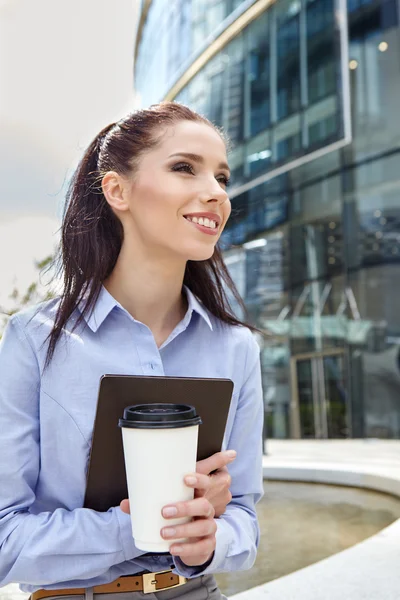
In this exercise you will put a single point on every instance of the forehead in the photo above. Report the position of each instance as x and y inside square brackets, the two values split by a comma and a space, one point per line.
[196, 138]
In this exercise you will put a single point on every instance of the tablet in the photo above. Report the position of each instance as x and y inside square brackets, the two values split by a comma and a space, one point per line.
[106, 479]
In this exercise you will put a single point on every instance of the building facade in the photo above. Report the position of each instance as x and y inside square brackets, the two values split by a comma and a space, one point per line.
[307, 91]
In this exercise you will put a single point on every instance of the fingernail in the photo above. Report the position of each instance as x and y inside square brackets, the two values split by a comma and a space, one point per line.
[168, 532]
[170, 511]
[191, 479]
[231, 453]
[175, 549]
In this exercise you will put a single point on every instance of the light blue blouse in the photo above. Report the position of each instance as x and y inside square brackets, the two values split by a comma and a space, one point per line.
[47, 539]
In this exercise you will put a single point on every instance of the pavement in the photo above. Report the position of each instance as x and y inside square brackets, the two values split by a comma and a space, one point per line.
[369, 570]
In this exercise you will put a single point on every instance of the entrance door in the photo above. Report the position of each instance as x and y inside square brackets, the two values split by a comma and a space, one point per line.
[320, 407]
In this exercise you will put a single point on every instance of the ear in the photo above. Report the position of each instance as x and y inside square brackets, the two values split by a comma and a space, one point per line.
[114, 191]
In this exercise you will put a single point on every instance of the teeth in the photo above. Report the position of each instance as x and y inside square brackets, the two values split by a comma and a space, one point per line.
[203, 221]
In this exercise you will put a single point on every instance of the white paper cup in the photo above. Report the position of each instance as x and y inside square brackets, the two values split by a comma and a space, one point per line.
[160, 448]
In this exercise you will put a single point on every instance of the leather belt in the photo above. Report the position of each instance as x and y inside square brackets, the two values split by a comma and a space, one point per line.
[147, 583]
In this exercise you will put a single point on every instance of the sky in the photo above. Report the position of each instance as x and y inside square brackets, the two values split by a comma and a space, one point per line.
[66, 71]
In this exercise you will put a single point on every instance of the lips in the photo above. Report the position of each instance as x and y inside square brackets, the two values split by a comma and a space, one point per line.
[209, 220]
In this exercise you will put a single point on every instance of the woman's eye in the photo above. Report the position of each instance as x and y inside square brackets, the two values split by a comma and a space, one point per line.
[223, 179]
[185, 167]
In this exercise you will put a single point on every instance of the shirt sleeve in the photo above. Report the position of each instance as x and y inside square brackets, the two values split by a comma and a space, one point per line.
[48, 548]
[238, 532]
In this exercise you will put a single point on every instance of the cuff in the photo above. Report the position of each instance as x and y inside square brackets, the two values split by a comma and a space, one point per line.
[218, 561]
[125, 533]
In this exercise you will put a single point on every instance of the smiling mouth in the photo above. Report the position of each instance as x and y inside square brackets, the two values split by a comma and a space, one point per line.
[210, 223]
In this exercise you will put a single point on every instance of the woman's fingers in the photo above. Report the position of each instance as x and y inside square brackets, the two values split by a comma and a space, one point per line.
[199, 507]
[199, 551]
[124, 506]
[195, 529]
[215, 462]
[221, 479]
[198, 481]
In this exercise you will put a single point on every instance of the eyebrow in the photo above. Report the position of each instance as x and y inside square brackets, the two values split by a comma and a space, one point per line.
[199, 159]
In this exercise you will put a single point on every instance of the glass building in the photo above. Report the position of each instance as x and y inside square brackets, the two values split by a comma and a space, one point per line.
[307, 91]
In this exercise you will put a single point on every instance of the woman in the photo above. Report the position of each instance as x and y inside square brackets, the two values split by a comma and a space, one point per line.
[143, 294]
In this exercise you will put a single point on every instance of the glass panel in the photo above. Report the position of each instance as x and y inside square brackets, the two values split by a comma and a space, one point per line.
[336, 397]
[288, 54]
[306, 398]
[375, 352]
[234, 90]
[275, 361]
[319, 317]
[258, 74]
[235, 261]
[215, 108]
[266, 274]
[374, 81]
[259, 153]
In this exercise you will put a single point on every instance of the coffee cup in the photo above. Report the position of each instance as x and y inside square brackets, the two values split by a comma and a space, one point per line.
[160, 448]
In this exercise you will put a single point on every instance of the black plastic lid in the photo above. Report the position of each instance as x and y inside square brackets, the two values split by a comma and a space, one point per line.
[159, 416]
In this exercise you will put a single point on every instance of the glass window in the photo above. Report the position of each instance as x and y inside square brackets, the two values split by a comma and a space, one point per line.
[288, 138]
[288, 57]
[320, 16]
[258, 74]
[375, 353]
[215, 106]
[236, 163]
[258, 153]
[234, 89]
[237, 226]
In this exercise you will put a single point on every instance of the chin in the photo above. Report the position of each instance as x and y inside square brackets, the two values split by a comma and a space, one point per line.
[199, 254]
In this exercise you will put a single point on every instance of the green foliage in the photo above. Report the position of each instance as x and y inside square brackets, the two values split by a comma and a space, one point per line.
[33, 295]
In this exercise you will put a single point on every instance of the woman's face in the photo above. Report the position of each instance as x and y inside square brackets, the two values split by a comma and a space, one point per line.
[177, 201]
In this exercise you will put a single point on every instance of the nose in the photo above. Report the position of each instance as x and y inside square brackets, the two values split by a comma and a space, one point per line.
[214, 193]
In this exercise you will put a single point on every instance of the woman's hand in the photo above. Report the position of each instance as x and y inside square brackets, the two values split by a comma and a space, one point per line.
[211, 484]
[199, 533]
[213, 480]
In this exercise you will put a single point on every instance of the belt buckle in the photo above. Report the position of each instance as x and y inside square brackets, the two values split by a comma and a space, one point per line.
[150, 582]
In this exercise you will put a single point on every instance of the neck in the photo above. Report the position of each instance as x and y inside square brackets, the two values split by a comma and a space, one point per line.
[150, 289]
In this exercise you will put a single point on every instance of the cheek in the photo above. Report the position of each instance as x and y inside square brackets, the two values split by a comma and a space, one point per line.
[149, 203]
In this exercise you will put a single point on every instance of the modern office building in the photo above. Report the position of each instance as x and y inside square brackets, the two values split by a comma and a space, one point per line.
[308, 92]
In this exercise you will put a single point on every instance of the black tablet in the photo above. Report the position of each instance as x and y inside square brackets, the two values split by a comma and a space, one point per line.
[106, 479]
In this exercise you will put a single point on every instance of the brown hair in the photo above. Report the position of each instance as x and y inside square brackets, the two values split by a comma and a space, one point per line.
[91, 234]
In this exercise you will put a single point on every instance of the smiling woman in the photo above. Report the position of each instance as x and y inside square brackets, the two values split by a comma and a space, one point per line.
[144, 294]
[130, 197]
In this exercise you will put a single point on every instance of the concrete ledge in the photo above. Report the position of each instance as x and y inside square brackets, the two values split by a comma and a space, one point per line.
[333, 474]
[369, 570]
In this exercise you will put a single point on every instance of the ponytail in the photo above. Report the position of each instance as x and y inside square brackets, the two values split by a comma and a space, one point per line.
[82, 258]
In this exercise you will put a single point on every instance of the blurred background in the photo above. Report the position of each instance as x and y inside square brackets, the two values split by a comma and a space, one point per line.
[307, 91]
